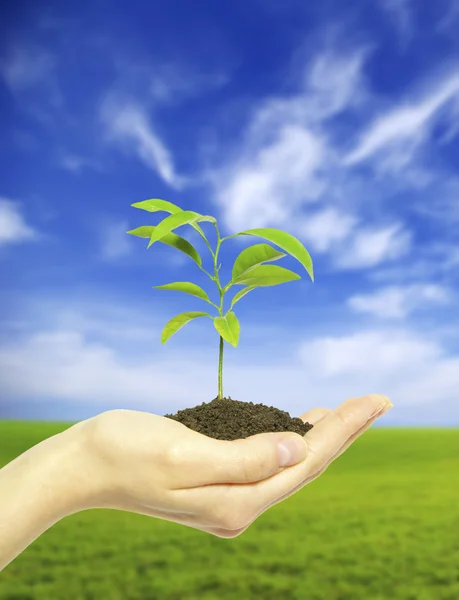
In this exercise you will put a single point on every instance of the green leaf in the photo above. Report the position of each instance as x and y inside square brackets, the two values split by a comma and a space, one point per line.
[171, 239]
[156, 205]
[187, 287]
[178, 322]
[240, 294]
[265, 275]
[287, 242]
[253, 257]
[228, 327]
[144, 231]
[185, 217]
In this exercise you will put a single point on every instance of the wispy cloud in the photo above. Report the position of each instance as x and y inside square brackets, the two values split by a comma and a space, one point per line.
[65, 364]
[29, 72]
[380, 352]
[434, 260]
[401, 13]
[351, 243]
[170, 84]
[128, 126]
[13, 226]
[131, 108]
[326, 228]
[371, 246]
[449, 20]
[402, 130]
[402, 151]
[411, 368]
[443, 194]
[114, 242]
[397, 302]
[285, 158]
[75, 164]
[278, 178]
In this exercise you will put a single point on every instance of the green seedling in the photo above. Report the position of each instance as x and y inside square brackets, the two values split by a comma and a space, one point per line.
[249, 268]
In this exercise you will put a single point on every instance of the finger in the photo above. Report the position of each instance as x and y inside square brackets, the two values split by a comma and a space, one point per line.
[358, 433]
[331, 433]
[205, 461]
[343, 449]
[315, 415]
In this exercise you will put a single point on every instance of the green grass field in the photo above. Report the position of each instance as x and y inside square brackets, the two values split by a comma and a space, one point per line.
[381, 523]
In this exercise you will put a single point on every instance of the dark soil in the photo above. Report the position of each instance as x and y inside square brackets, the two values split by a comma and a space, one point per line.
[226, 419]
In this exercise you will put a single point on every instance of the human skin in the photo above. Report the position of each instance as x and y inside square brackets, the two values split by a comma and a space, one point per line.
[152, 465]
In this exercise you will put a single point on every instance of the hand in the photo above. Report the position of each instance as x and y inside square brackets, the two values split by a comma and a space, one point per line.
[153, 465]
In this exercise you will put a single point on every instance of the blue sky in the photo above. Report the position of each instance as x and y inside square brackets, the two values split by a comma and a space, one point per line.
[336, 122]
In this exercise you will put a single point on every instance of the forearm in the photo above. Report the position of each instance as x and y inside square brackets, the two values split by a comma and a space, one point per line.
[40, 487]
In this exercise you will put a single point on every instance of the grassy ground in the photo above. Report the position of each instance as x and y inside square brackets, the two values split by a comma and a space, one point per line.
[381, 523]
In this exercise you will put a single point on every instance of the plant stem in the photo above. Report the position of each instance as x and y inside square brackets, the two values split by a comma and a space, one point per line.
[220, 310]
[220, 370]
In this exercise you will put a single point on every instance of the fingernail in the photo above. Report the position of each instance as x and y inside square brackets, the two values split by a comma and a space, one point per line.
[385, 406]
[291, 451]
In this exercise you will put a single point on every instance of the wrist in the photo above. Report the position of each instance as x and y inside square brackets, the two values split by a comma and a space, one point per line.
[41, 486]
[61, 475]
[74, 470]
[54, 472]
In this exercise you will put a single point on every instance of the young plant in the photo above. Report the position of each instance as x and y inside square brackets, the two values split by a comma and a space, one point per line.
[249, 268]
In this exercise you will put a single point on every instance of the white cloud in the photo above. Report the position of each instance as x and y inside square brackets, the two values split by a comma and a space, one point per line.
[128, 125]
[72, 163]
[350, 244]
[436, 384]
[75, 164]
[452, 258]
[444, 206]
[331, 83]
[370, 247]
[13, 227]
[285, 158]
[334, 82]
[66, 365]
[268, 187]
[403, 129]
[410, 368]
[397, 302]
[324, 229]
[115, 242]
[440, 258]
[379, 352]
[171, 83]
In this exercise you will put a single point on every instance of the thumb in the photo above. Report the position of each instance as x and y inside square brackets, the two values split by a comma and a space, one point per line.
[254, 458]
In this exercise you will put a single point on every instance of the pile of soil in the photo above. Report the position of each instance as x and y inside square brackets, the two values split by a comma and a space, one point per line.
[227, 419]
